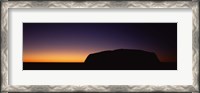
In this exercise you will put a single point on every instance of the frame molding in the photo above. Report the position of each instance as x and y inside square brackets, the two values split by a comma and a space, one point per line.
[5, 87]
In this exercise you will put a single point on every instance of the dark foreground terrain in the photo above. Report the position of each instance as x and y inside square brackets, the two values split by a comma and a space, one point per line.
[82, 66]
[121, 59]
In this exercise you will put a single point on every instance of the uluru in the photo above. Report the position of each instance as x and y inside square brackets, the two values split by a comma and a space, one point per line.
[123, 59]
[123, 56]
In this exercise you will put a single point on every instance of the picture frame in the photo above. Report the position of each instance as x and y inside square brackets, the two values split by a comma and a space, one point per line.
[6, 5]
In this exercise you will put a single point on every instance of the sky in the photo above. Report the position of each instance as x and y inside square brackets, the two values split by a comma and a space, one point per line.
[73, 42]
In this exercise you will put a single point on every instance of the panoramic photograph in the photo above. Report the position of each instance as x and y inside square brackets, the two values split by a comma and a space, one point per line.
[99, 46]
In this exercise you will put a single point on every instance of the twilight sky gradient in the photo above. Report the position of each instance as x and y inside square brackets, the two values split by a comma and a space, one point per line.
[73, 42]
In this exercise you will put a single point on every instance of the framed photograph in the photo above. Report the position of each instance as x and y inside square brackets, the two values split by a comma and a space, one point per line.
[100, 46]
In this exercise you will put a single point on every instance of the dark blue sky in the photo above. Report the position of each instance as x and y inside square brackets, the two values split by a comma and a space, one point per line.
[85, 38]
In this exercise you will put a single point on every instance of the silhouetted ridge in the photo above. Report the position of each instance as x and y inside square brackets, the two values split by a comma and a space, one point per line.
[123, 56]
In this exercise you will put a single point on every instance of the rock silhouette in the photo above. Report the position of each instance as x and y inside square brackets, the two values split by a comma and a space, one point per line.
[123, 56]
[123, 59]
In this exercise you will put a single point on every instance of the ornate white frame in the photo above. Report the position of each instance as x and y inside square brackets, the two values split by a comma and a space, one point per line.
[5, 87]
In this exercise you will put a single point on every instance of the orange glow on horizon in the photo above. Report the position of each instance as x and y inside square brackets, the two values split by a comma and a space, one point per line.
[165, 58]
[54, 56]
[69, 56]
